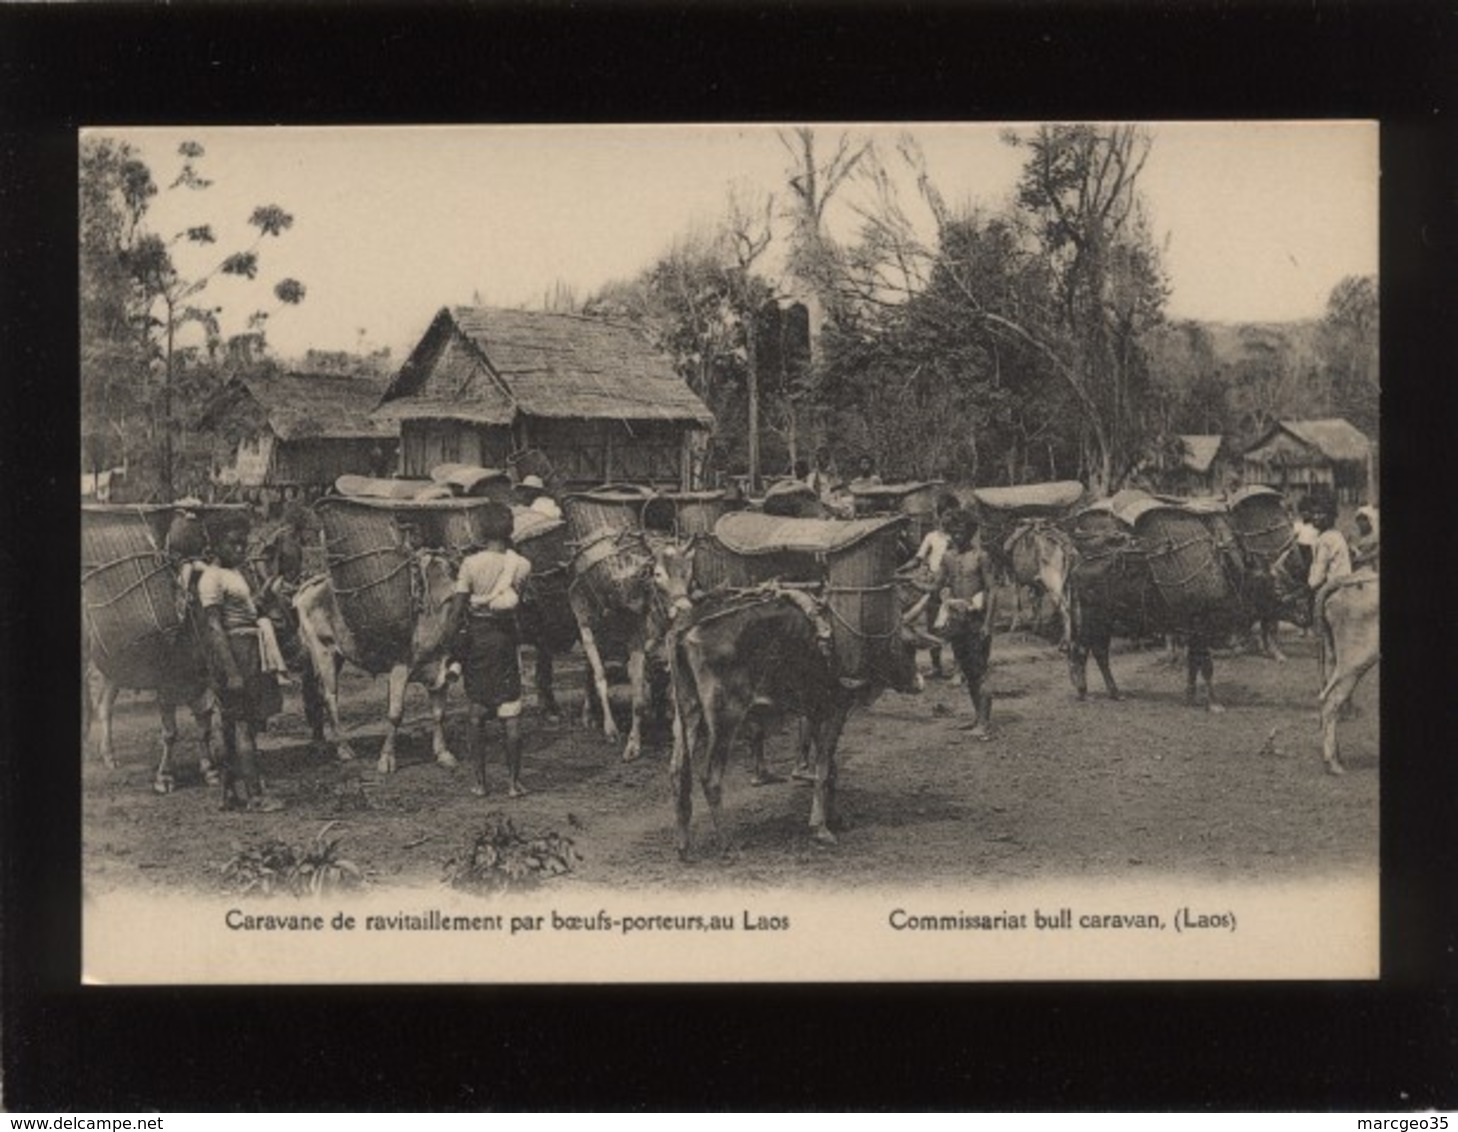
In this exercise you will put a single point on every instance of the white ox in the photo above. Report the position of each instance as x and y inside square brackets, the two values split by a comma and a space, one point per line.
[330, 642]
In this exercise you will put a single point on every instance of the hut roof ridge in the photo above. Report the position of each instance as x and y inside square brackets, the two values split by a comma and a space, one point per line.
[300, 404]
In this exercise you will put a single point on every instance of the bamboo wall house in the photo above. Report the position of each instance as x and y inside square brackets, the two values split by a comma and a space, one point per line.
[592, 395]
[1326, 455]
[304, 430]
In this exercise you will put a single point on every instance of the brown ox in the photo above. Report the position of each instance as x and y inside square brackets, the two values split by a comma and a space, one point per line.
[1349, 629]
[330, 642]
[636, 622]
[1039, 556]
[736, 657]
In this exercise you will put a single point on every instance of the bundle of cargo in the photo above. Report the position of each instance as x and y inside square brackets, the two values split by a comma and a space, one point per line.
[791, 499]
[132, 603]
[374, 487]
[371, 546]
[1189, 559]
[612, 556]
[547, 616]
[130, 598]
[473, 481]
[917, 501]
[851, 563]
[1262, 522]
[684, 514]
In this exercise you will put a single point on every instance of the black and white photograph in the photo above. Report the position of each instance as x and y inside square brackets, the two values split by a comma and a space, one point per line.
[800, 552]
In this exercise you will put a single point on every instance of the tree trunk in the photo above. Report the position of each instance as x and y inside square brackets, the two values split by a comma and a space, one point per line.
[752, 363]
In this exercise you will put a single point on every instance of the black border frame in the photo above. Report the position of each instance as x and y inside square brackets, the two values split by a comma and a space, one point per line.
[1387, 1045]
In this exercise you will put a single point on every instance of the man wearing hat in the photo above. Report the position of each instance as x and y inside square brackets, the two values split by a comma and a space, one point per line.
[533, 493]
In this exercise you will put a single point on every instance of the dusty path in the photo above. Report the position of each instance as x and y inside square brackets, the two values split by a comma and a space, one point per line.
[1142, 788]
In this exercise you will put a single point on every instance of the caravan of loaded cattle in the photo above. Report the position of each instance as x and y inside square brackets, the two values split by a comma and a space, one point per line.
[732, 606]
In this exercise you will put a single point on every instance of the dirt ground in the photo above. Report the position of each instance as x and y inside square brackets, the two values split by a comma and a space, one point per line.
[1142, 788]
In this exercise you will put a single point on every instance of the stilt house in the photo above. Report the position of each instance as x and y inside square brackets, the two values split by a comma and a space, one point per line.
[594, 396]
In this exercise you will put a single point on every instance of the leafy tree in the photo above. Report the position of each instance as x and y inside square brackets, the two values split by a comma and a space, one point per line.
[1079, 189]
[164, 301]
[1348, 344]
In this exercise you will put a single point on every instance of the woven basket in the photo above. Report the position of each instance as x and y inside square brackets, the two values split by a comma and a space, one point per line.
[685, 514]
[371, 573]
[854, 561]
[1262, 523]
[1185, 560]
[605, 510]
[131, 603]
[612, 569]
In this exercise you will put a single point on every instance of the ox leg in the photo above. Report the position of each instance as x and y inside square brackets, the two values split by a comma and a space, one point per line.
[804, 740]
[1078, 668]
[105, 708]
[762, 775]
[310, 686]
[438, 745]
[329, 688]
[546, 697]
[1101, 658]
[1271, 639]
[163, 780]
[599, 685]
[685, 737]
[1201, 663]
[822, 806]
[1336, 697]
[512, 727]
[719, 737]
[638, 681]
[399, 677]
[206, 715]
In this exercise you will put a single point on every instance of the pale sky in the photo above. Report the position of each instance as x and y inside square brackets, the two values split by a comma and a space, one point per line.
[391, 224]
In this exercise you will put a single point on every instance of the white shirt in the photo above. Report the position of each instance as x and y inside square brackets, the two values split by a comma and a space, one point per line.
[1306, 533]
[481, 576]
[546, 505]
[933, 547]
[1332, 560]
[226, 589]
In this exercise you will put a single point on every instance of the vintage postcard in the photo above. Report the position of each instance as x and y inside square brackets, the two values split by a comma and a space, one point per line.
[802, 553]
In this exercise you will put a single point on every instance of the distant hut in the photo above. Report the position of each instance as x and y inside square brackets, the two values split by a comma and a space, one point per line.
[592, 395]
[302, 430]
[1330, 455]
[1201, 469]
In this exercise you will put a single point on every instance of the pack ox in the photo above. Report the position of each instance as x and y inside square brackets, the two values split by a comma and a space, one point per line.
[419, 655]
[170, 665]
[632, 618]
[1038, 556]
[1348, 625]
[1143, 586]
[738, 659]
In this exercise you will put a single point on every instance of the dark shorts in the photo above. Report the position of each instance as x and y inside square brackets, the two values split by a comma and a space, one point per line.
[973, 649]
[492, 667]
[260, 697]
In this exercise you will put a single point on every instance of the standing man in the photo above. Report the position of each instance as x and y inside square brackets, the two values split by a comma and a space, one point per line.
[533, 494]
[488, 591]
[1366, 553]
[966, 614]
[243, 662]
[929, 556]
[865, 474]
[822, 478]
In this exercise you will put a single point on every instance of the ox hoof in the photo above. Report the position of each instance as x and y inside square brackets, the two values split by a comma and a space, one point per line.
[345, 754]
[163, 784]
[516, 790]
[1117, 697]
[386, 765]
[1215, 709]
[632, 754]
[1335, 768]
[766, 778]
[823, 836]
[447, 760]
[552, 718]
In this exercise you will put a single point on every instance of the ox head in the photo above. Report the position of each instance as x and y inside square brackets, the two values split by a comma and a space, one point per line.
[673, 572]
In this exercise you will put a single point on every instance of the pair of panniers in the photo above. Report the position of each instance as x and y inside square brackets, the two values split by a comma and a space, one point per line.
[851, 563]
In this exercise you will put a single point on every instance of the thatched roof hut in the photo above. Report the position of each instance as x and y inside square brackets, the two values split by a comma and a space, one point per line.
[1322, 455]
[593, 394]
[302, 429]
